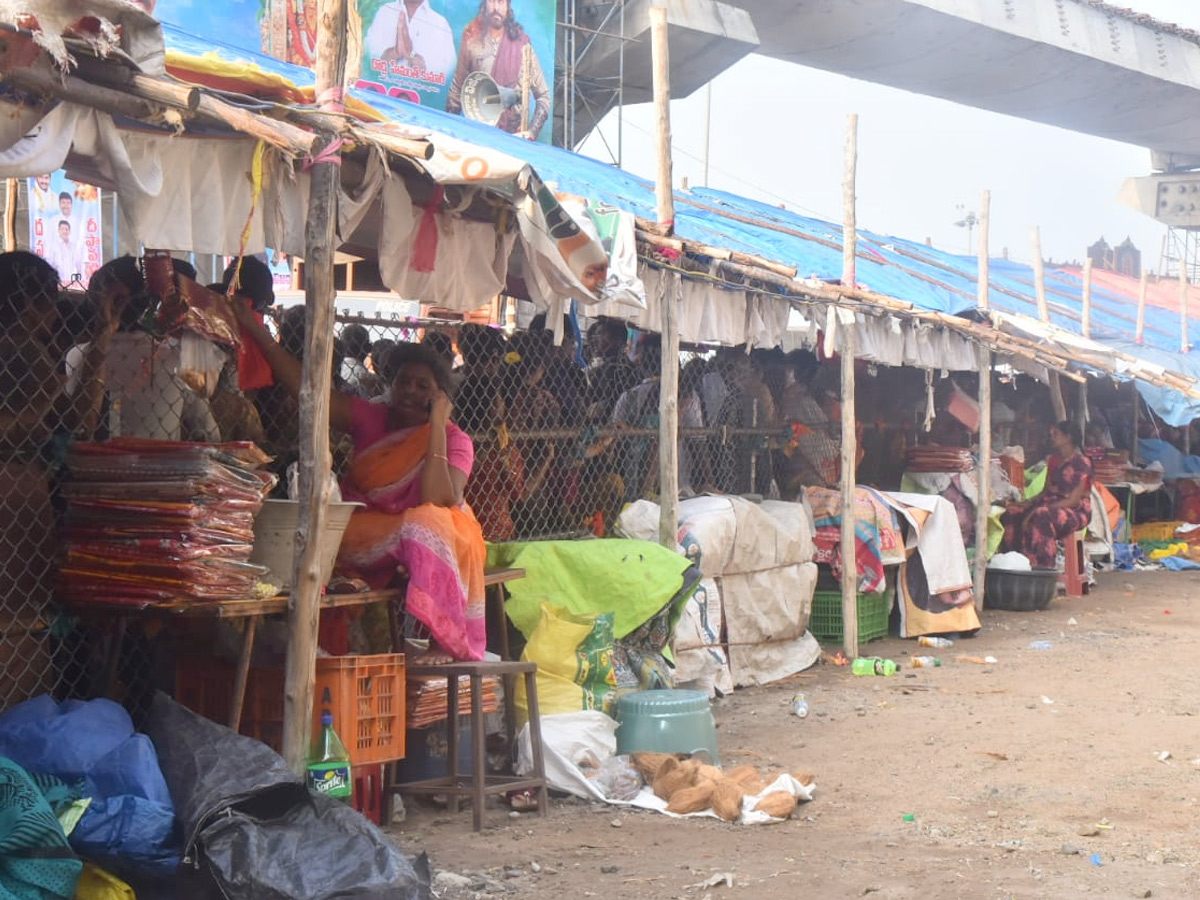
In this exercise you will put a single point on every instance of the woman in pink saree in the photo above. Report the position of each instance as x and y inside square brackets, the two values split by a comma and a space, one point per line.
[410, 467]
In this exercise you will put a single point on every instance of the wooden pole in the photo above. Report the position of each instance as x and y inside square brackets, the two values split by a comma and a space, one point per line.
[660, 54]
[1183, 306]
[985, 216]
[983, 499]
[849, 435]
[12, 186]
[1039, 283]
[1086, 322]
[849, 208]
[668, 392]
[1039, 276]
[1143, 286]
[315, 385]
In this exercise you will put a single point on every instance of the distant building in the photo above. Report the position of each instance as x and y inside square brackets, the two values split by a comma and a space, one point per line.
[1125, 258]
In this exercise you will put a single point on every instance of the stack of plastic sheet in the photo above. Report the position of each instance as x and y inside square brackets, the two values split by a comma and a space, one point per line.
[427, 698]
[161, 521]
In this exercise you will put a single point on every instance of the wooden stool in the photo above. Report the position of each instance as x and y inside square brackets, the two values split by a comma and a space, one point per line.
[1075, 565]
[478, 784]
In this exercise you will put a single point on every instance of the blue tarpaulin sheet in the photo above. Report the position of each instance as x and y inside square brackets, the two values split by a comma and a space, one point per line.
[928, 278]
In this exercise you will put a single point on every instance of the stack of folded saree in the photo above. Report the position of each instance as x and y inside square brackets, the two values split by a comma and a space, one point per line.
[161, 521]
[936, 458]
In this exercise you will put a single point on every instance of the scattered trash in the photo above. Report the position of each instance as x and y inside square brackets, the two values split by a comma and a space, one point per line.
[993, 814]
[1071, 621]
[1162, 755]
[721, 879]
[1105, 825]
[1010, 846]
[925, 662]
[1070, 850]
[1047, 701]
[977, 660]
[617, 823]
[1088, 831]
[873, 665]
[909, 817]
[1041, 645]
[800, 706]
[1096, 861]
[939, 642]
[609, 870]
[994, 755]
[535, 867]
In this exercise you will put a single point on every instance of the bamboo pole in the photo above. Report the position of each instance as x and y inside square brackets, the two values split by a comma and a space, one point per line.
[849, 212]
[1039, 276]
[664, 185]
[668, 390]
[1085, 324]
[983, 499]
[1143, 286]
[12, 186]
[1183, 306]
[985, 224]
[849, 435]
[315, 385]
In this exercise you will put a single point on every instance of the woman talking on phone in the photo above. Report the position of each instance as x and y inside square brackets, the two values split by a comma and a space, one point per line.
[410, 467]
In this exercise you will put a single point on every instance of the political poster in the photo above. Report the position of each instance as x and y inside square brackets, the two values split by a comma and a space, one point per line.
[424, 51]
[64, 225]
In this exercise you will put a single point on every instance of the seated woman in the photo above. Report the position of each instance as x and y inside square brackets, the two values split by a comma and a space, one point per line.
[1064, 506]
[410, 467]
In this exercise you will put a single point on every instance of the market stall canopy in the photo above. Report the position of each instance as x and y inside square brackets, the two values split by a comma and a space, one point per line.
[226, 173]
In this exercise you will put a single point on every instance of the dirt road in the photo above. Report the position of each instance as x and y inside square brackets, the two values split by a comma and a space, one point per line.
[1040, 776]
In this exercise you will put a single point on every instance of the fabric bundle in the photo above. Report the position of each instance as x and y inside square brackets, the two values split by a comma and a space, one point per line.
[161, 521]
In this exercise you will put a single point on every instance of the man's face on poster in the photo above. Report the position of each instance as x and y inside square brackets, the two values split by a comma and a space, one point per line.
[496, 12]
[64, 206]
[64, 232]
[43, 182]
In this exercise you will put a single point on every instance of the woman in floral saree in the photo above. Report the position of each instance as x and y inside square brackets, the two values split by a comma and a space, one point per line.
[410, 468]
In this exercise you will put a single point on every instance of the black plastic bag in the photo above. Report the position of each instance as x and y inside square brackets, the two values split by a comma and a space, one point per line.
[252, 830]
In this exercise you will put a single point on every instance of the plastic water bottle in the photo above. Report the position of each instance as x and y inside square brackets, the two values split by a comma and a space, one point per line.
[873, 665]
[329, 763]
[925, 662]
[800, 706]
[939, 642]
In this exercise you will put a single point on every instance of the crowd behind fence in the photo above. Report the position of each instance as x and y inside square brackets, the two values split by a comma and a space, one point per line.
[564, 435]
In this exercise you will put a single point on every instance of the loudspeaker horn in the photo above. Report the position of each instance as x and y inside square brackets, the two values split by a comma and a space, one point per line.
[484, 100]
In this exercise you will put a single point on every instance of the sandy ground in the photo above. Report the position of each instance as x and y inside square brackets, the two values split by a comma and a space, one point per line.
[1038, 776]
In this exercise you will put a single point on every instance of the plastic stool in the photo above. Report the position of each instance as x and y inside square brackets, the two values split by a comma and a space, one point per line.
[478, 784]
[1075, 565]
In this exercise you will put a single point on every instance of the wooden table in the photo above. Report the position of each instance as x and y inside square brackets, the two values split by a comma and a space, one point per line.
[250, 608]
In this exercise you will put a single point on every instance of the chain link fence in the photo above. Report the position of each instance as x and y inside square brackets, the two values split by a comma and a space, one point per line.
[564, 437]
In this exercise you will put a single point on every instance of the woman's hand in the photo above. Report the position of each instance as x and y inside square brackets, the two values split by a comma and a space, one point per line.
[440, 408]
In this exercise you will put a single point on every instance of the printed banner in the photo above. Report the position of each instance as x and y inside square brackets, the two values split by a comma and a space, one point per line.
[425, 51]
[64, 225]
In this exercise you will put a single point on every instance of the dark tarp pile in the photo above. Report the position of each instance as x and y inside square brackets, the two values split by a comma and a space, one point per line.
[252, 830]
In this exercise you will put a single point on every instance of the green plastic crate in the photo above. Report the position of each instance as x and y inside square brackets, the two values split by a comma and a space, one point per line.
[825, 622]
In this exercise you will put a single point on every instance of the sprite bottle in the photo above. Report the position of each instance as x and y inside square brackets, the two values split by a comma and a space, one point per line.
[329, 763]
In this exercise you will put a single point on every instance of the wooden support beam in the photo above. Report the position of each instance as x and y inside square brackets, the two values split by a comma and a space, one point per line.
[847, 336]
[983, 501]
[1086, 321]
[315, 386]
[668, 393]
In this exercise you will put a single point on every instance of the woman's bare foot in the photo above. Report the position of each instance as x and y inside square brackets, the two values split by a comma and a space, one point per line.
[434, 656]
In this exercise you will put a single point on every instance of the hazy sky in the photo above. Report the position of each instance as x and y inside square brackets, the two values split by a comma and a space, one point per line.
[919, 158]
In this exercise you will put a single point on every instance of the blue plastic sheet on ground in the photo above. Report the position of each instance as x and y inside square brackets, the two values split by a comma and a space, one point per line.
[1126, 556]
[131, 818]
[1178, 563]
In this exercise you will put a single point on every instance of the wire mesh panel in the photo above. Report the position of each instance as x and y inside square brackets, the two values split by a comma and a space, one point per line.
[564, 436]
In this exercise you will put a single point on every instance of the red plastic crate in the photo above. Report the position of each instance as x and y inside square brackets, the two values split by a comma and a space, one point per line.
[365, 695]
